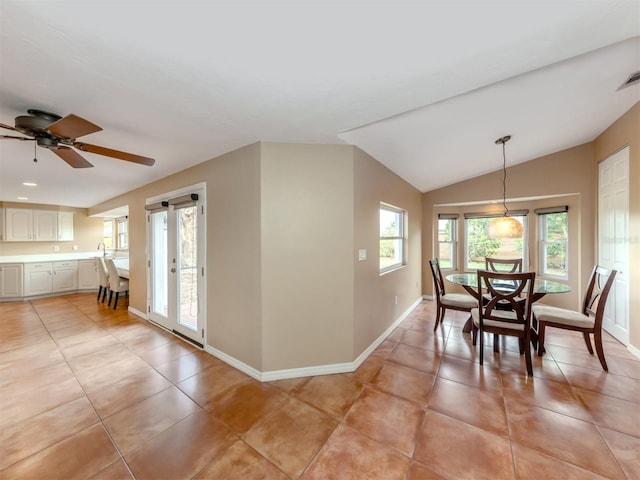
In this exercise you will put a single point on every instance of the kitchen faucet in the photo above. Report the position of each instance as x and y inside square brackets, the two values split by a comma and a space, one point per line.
[104, 249]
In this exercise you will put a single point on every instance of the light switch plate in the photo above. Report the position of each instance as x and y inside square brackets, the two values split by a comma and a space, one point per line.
[362, 255]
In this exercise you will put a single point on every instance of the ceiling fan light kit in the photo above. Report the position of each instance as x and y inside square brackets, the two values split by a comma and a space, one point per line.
[505, 226]
[58, 134]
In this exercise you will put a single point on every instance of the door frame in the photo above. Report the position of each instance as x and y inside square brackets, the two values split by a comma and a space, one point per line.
[201, 190]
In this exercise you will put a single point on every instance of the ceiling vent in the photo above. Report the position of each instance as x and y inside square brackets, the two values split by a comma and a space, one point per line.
[632, 79]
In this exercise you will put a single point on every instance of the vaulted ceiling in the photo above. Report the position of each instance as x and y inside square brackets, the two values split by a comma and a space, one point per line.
[424, 87]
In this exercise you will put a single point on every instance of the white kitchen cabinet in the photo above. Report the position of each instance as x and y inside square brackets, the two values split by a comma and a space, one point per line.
[38, 278]
[18, 225]
[10, 280]
[65, 276]
[87, 275]
[45, 225]
[65, 226]
[26, 225]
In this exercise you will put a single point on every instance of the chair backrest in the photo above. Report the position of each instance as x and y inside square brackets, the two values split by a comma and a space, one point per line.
[511, 265]
[437, 277]
[114, 276]
[102, 271]
[597, 293]
[517, 296]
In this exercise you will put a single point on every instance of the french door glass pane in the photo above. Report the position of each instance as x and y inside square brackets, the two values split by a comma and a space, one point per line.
[188, 267]
[159, 268]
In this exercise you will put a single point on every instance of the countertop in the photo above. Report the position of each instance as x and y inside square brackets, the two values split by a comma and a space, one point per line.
[55, 257]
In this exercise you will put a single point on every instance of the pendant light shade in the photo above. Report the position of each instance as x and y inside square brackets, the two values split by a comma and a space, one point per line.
[505, 226]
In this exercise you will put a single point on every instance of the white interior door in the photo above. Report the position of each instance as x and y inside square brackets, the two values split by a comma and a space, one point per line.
[613, 239]
[176, 264]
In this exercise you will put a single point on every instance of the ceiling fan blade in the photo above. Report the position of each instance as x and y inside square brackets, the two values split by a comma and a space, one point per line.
[73, 127]
[13, 137]
[72, 157]
[108, 152]
[9, 127]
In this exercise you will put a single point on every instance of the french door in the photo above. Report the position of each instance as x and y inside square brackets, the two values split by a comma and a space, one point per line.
[613, 239]
[176, 263]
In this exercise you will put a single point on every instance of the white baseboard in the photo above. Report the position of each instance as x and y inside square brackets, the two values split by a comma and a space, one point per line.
[633, 350]
[314, 370]
[138, 313]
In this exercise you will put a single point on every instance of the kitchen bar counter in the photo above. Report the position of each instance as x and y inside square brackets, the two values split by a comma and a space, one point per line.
[48, 257]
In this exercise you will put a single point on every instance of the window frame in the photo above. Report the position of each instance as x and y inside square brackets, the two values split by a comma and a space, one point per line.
[122, 233]
[401, 239]
[452, 242]
[544, 242]
[521, 215]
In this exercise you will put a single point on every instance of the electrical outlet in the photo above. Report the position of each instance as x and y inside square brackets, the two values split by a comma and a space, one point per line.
[74, 248]
[396, 299]
[56, 248]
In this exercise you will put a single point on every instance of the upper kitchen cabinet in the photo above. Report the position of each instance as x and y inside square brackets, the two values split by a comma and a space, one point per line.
[65, 226]
[18, 225]
[25, 225]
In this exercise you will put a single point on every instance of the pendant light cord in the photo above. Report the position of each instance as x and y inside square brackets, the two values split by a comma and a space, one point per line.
[504, 180]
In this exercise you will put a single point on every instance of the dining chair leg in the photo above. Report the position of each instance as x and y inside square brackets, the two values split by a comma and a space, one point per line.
[527, 358]
[104, 294]
[587, 340]
[437, 319]
[99, 293]
[597, 338]
[115, 303]
[474, 334]
[541, 326]
[481, 333]
[521, 345]
[110, 298]
[496, 343]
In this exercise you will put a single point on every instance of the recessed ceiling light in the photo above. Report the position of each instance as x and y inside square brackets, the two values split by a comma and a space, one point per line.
[23, 198]
[29, 184]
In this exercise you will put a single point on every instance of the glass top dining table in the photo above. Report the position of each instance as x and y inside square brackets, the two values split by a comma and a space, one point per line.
[541, 288]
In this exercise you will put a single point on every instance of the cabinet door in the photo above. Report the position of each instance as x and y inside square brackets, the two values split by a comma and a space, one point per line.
[37, 281]
[19, 224]
[11, 280]
[65, 276]
[65, 226]
[87, 275]
[45, 225]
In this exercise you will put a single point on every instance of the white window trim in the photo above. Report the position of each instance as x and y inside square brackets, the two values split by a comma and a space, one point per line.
[453, 242]
[543, 243]
[403, 237]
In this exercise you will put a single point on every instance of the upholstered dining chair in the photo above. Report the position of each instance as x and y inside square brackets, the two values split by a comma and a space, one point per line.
[588, 320]
[515, 321]
[103, 278]
[116, 283]
[453, 301]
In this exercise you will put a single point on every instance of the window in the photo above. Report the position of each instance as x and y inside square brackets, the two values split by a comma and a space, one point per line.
[553, 241]
[108, 233]
[479, 245]
[123, 233]
[447, 241]
[392, 238]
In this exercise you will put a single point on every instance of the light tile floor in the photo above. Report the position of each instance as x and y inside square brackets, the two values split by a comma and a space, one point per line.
[91, 393]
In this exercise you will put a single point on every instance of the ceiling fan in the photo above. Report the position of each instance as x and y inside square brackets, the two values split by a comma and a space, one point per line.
[59, 134]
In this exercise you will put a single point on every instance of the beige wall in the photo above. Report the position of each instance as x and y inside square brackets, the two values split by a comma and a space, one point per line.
[87, 233]
[626, 131]
[375, 307]
[307, 255]
[284, 222]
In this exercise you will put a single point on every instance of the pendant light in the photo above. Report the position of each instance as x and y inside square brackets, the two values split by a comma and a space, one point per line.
[505, 226]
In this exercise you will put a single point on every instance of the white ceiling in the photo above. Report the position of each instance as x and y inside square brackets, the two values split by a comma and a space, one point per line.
[424, 87]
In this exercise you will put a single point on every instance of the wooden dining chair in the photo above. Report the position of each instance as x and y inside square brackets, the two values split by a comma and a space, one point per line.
[515, 321]
[453, 301]
[588, 320]
[116, 283]
[511, 265]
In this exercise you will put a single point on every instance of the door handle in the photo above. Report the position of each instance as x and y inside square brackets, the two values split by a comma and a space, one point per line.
[173, 270]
